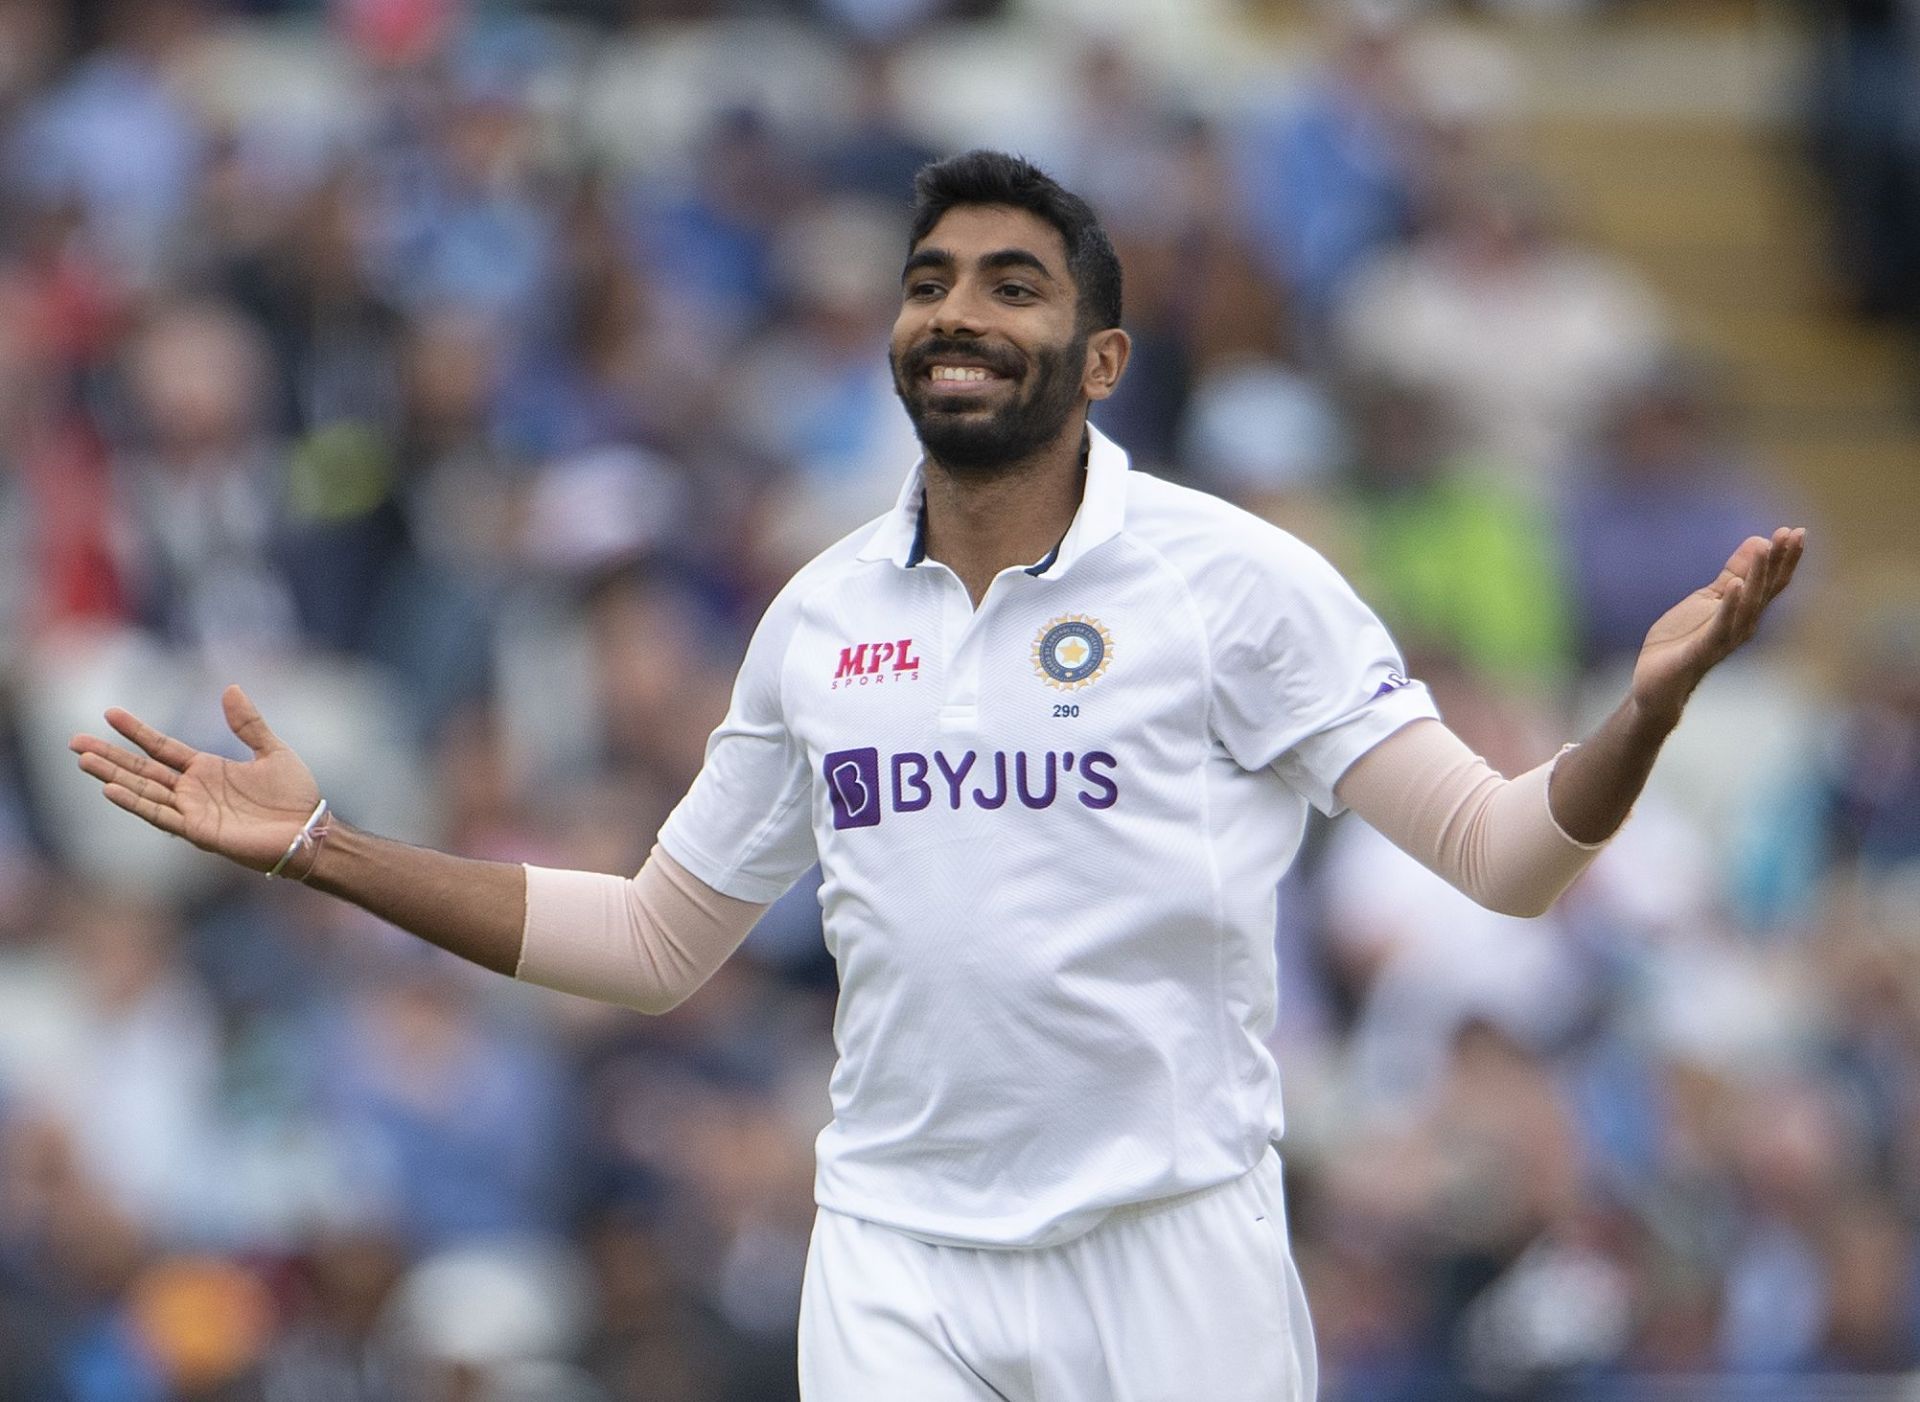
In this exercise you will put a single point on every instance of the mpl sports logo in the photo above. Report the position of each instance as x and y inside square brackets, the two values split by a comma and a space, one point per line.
[875, 664]
[970, 779]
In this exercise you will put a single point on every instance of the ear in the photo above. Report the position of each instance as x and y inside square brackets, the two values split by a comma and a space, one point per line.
[1107, 353]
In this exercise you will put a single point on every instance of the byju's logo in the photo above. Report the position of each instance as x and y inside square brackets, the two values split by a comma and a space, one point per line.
[969, 779]
[871, 664]
[853, 784]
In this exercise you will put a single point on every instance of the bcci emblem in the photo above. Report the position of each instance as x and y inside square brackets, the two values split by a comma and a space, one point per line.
[1072, 652]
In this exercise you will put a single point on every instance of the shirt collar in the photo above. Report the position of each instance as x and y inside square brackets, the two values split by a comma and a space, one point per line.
[900, 535]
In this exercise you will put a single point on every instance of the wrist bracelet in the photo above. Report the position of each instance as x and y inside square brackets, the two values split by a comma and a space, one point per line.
[312, 833]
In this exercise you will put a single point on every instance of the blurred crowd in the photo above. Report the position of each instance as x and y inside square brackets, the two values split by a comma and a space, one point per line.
[1865, 132]
[464, 380]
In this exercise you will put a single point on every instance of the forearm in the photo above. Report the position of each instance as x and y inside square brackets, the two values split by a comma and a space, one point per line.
[472, 908]
[1596, 783]
[1492, 838]
[645, 942]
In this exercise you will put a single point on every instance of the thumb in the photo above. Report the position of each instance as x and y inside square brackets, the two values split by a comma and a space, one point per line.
[243, 718]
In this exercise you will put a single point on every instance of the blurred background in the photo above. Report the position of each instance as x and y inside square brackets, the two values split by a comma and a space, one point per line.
[463, 376]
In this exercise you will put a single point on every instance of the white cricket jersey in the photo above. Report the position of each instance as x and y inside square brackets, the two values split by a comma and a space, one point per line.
[1050, 830]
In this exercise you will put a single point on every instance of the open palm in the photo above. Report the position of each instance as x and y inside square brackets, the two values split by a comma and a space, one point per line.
[246, 810]
[1701, 630]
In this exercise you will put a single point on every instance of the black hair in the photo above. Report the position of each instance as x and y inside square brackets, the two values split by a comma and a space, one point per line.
[994, 177]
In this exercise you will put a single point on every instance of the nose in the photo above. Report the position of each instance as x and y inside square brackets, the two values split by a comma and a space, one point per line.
[959, 314]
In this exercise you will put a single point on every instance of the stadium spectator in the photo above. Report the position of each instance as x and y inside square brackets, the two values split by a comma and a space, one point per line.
[1525, 335]
[1456, 557]
[115, 140]
[1664, 477]
[1330, 172]
[1864, 120]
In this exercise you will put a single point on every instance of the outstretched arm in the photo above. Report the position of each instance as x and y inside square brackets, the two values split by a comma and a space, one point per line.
[646, 942]
[1515, 844]
[251, 812]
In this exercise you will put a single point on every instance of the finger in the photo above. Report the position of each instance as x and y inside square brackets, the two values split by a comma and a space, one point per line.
[1796, 546]
[1723, 631]
[135, 764]
[1767, 579]
[110, 773]
[176, 754]
[1753, 599]
[1783, 558]
[1780, 560]
[243, 718]
[166, 819]
[1753, 565]
[1765, 566]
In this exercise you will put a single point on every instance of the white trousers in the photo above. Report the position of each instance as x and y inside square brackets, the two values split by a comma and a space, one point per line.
[1187, 1299]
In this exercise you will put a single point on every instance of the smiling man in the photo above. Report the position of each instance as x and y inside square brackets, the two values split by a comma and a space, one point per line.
[1051, 728]
[983, 406]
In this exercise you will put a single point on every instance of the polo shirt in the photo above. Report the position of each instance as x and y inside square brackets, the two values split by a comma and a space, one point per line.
[1050, 831]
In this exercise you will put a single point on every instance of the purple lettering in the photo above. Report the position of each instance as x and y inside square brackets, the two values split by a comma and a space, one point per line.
[999, 783]
[1043, 800]
[918, 780]
[1109, 791]
[853, 787]
[954, 777]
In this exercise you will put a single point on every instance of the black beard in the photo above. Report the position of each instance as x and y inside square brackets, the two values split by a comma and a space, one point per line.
[992, 446]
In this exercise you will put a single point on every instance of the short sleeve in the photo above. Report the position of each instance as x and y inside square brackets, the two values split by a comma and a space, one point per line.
[745, 826]
[1306, 679]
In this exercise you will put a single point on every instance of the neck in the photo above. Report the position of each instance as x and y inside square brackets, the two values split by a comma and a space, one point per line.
[978, 526]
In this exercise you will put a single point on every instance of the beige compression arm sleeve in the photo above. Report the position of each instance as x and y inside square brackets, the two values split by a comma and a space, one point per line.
[1493, 838]
[645, 942]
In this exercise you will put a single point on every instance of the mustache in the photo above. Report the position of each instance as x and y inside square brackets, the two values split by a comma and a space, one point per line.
[1000, 362]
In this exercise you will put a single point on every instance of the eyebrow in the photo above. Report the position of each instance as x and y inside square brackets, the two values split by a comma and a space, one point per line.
[999, 258]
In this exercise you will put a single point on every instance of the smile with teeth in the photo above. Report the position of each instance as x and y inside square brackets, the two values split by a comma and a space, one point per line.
[960, 374]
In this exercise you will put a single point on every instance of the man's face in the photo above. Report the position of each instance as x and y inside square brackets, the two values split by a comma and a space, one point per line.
[987, 353]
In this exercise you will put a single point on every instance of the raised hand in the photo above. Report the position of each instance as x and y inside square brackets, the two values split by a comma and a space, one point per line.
[246, 810]
[1697, 633]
